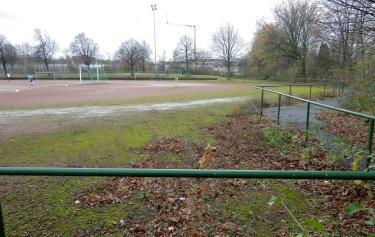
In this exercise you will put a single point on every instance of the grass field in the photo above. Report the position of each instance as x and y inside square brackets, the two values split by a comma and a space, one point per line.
[46, 206]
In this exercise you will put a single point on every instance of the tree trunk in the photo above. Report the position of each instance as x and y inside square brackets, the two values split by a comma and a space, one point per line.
[143, 65]
[187, 62]
[228, 69]
[86, 61]
[46, 63]
[4, 66]
[132, 69]
[303, 71]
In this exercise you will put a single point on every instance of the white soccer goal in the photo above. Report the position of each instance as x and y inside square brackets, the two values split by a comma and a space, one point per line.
[39, 75]
[93, 73]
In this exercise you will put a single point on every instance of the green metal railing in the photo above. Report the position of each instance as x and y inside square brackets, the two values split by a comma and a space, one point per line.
[185, 173]
[336, 86]
[309, 103]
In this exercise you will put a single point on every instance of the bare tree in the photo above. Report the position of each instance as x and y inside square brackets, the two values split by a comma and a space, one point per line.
[45, 47]
[298, 21]
[85, 48]
[8, 54]
[3, 42]
[129, 53]
[184, 51]
[337, 23]
[227, 45]
[25, 50]
[11, 55]
[348, 31]
[366, 7]
[145, 52]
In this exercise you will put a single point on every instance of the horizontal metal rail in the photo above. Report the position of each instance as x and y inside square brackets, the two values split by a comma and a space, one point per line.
[307, 84]
[318, 104]
[187, 173]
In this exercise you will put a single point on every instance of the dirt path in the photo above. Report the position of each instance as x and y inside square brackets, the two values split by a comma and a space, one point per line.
[296, 114]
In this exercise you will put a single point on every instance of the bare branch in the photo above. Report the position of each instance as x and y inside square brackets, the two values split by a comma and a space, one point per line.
[227, 45]
[130, 52]
[45, 47]
[184, 51]
[85, 48]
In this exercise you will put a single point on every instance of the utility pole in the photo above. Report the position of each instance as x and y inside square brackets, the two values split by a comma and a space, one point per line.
[195, 45]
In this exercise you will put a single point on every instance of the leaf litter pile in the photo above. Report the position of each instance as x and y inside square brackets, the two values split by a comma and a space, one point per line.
[350, 127]
[220, 207]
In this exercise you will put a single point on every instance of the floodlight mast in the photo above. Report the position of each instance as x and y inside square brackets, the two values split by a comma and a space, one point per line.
[154, 8]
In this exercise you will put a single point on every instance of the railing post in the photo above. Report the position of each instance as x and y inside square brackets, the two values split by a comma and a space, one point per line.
[370, 139]
[310, 92]
[342, 86]
[2, 228]
[261, 102]
[278, 111]
[324, 91]
[307, 121]
[290, 91]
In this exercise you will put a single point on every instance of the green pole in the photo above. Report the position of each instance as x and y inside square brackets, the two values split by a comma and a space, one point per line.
[290, 92]
[307, 121]
[278, 110]
[2, 228]
[187, 173]
[310, 92]
[324, 91]
[333, 92]
[342, 87]
[261, 102]
[370, 139]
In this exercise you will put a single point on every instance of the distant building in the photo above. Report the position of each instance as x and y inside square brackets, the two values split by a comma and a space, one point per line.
[214, 66]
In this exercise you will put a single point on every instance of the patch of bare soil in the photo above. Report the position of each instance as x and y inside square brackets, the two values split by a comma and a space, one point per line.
[187, 207]
[48, 93]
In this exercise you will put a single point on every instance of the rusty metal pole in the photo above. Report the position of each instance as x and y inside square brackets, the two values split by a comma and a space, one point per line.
[2, 228]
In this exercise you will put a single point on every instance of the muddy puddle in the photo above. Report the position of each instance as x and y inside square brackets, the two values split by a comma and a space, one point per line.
[24, 121]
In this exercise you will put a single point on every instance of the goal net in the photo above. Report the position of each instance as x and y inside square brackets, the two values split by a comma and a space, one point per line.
[92, 73]
[45, 75]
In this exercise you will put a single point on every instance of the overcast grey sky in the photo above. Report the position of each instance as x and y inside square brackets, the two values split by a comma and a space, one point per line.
[113, 21]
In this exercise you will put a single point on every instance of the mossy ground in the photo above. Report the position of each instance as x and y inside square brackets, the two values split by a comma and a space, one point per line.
[46, 203]
[45, 206]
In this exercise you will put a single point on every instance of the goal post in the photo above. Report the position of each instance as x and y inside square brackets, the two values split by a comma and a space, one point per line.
[39, 75]
[93, 73]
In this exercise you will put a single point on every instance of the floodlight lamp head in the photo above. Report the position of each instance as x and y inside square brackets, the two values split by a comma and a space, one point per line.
[153, 7]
